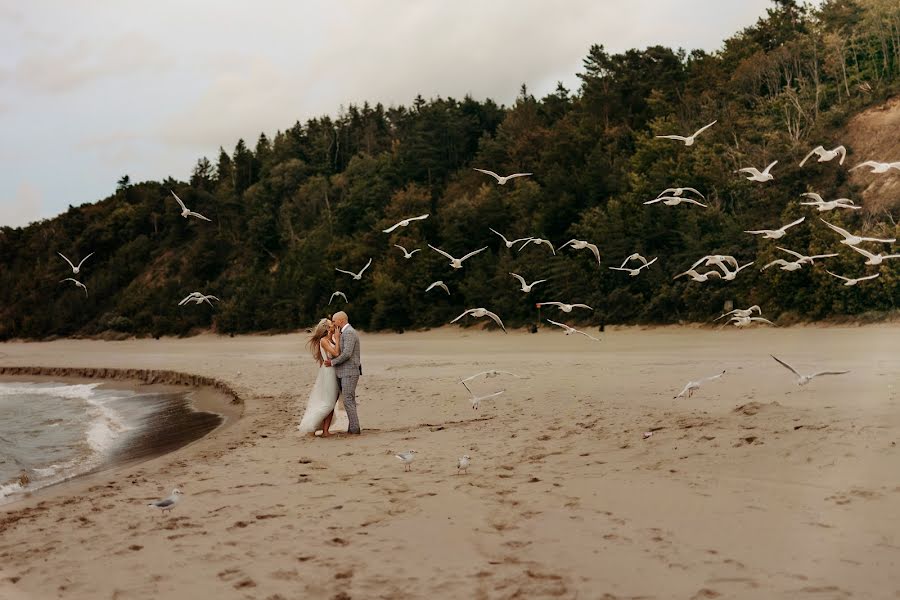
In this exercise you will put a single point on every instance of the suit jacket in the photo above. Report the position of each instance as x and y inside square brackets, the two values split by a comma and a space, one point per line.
[348, 363]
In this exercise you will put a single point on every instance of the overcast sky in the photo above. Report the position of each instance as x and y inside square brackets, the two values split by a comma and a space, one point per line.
[92, 90]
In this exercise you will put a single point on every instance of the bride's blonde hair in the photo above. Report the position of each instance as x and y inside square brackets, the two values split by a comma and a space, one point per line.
[318, 333]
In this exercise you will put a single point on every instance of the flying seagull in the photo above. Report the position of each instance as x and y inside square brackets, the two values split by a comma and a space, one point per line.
[874, 259]
[509, 244]
[878, 167]
[77, 283]
[581, 245]
[853, 240]
[356, 276]
[538, 241]
[404, 223]
[503, 180]
[804, 379]
[456, 263]
[476, 400]
[570, 330]
[689, 140]
[701, 277]
[851, 281]
[784, 265]
[341, 294]
[406, 458]
[184, 209]
[678, 191]
[566, 308]
[525, 286]
[807, 259]
[826, 155]
[824, 205]
[730, 275]
[695, 385]
[407, 254]
[744, 321]
[674, 201]
[167, 504]
[75, 269]
[439, 284]
[487, 375]
[774, 234]
[754, 174]
[741, 312]
[481, 312]
[718, 260]
[635, 272]
[198, 298]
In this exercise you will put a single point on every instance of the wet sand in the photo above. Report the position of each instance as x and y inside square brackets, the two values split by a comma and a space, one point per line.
[752, 488]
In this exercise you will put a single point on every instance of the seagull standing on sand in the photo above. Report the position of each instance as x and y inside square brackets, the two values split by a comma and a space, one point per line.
[509, 244]
[695, 385]
[570, 330]
[456, 263]
[184, 209]
[404, 223]
[525, 286]
[774, 234]
[689, 140]
[873, 259]
[853, 240]
[804, 379]
[566, 308]
[755, 174]
[581, 245]
[407, 254]
[341, 294]
[674, 201]
[77, 283]
[439, 284]
[824, 205]
[502, 180]
[75, 269]
[878, 167]
[826, 155]
[852, 281]
[481, 312]
[167, 504]
[356, 276]
[539, 241]
[462, 465]
[406, 458]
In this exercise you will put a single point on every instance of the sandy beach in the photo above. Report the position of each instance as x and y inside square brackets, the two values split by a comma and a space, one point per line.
[752, 488]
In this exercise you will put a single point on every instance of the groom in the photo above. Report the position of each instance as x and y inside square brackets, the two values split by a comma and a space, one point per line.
[347, 367]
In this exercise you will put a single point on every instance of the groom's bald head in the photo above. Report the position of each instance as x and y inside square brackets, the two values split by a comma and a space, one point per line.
[340, 318]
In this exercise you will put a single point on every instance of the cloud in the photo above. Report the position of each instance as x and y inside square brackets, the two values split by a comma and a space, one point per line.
[85, 61]
[24, 208]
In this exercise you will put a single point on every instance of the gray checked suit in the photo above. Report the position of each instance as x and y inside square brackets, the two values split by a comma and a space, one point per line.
[348, 368]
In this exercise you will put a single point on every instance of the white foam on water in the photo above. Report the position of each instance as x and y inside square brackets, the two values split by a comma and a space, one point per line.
[81, 391]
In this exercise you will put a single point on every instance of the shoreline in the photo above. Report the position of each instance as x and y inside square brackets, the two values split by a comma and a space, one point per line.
[217, 399]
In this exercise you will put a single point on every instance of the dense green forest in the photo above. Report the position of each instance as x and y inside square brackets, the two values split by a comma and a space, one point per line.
[288, 210]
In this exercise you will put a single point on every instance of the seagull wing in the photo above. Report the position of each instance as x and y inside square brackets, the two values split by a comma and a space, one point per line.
[827, 373]
[506, 241]
[690, 189]
[648, 263]
[769, 167]
[620, 269]
[347, 272]
[473, 253]
[491, 173]
[680, 138]
[496, 320]
[180, 203]
[593, 248]
[587, 335]
[654, 201]
[582, 306]
[842, 151]
[791, 252]
[563, 325]
[815, 150]
[797, 222]
[843, 232]
[524, 239]
[520, 278]
[567, 243]
[868, 277]
[760, 231]
[712, 377]
[402, 248]
[366, 267]
[419, 218]
[868, 163]
[461, 316]
[814, 196]
[750, 170]
[692, 201]
[439, 251]
[667, 191]
[391, 228]
[67, 260]
[444, 287]
[865, 253]
[84, 259]
[871, 239]
[704, 128]
[198, 215]
[838, 276]
[514, 175]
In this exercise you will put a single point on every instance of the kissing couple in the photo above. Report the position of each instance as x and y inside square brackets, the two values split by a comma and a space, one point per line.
[334, 345]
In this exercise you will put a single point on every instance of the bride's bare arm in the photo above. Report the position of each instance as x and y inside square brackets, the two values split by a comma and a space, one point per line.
[330, 349]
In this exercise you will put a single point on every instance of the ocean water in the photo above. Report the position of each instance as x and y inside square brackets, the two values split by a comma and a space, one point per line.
[51, 432]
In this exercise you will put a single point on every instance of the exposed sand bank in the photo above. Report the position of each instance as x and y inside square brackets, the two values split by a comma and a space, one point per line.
[752, 488]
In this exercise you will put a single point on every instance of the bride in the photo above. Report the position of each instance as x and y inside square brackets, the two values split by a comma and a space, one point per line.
[321, 410]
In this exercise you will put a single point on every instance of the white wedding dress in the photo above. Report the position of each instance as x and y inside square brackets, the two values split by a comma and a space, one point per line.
[322, 400]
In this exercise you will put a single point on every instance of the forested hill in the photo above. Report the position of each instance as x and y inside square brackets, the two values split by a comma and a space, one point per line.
[287, 210]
